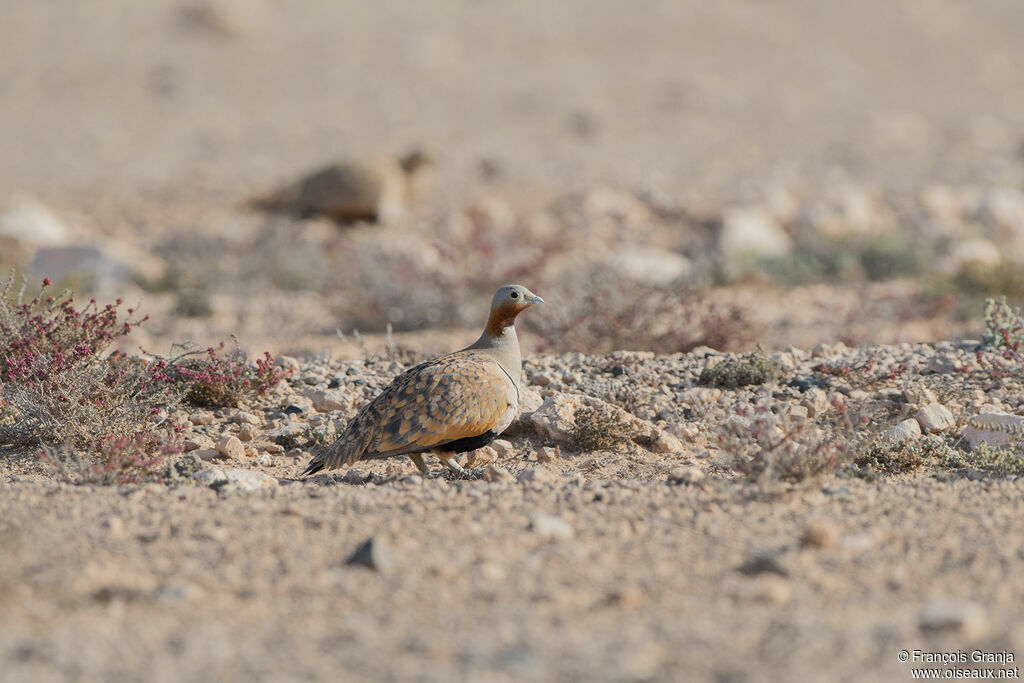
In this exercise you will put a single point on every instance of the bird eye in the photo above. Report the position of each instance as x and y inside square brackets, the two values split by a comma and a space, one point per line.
[514, 295]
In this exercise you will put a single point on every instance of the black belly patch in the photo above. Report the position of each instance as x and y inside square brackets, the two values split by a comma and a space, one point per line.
[470, 443]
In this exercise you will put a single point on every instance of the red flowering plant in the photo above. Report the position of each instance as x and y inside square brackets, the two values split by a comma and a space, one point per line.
[61, 390]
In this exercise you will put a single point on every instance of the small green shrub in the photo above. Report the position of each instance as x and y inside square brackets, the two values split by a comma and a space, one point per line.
[596, 430]
[730, 373]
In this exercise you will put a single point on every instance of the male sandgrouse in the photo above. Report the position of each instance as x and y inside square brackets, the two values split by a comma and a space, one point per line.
[446, 406]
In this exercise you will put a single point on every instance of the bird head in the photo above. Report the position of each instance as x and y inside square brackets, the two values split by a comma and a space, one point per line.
[508, 302]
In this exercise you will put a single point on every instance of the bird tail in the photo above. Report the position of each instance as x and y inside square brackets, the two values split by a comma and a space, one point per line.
[315, 465]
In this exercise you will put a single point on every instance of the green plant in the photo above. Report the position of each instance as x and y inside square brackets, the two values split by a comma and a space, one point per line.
[733, 372]
[767, 448]
[595, 430]
[1004, 326]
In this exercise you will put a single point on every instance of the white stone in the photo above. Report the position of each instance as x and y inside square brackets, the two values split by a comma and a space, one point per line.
[326, 400]
[962, 618]
[649, 265]
[211, 476]
[752, 233]
[32, 223]
[908, 430]
[994, 429]
[935, 417]
[231, 446]
[503, 448]
[551, 527]
[686, 475]
[249, 480]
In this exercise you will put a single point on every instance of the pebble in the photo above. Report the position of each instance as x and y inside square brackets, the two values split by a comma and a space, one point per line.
[908, 430]
[287, 362]
[503, 448]
[248, 480]
[326, 401]
[935, 417]
[246, 432]
[201, 418]
[485, 455]
[211, 476]
[961, 618]
[231, 446]
[819, 535]
[242, 417]
[373, 553]
[492, 473]
[547, 453]
[551, 527]
[686, 475]
[994, 429]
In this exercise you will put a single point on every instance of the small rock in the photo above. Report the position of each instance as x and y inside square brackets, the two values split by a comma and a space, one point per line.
[32, 223]
[242, 417]
[211, 477]
[273, 448]
[816, 401]
[908, 430]
[494, 474]
[374, 553]
[265, 461]
[481, 456]
[819, 535]
[935, 417]
[752, 234]
[994, 429]
[286, 435]
[248, 480]
[536, 475]
[551, 527]
[208, 454]
[246, 433]
[770, 589]
[503, 448]
[325, 401]
[941, 364]
[686, 475]
[950, 616]
[201, 418]
[547, 453]
[197, 442]
[230, 446]
[287, 362]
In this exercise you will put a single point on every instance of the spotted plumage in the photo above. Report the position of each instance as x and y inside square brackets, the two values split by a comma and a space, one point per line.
[449, 405]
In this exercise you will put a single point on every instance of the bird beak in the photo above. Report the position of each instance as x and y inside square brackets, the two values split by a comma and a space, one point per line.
[536, 300]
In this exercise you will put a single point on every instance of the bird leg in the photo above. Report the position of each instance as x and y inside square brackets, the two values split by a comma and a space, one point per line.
[448, 460]
[417, 459]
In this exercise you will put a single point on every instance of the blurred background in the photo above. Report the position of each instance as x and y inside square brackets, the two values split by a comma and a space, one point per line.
[665, 175]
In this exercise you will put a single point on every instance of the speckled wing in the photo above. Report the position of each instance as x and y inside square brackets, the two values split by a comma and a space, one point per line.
[463, 394]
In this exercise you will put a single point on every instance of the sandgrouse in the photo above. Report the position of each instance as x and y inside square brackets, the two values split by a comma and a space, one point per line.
[381, 190]
[446, 406]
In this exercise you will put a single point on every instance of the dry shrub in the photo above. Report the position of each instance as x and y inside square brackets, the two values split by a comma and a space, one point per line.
[597, 430]
[219, 380]
[746, 370]
[141, 457]
[59, 386]
[769, 449]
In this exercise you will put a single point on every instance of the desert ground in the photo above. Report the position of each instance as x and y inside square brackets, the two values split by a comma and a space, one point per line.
[770, 428]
